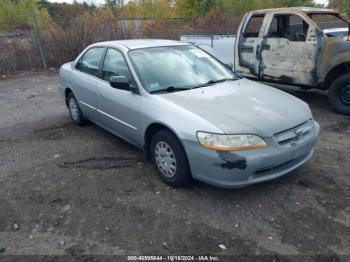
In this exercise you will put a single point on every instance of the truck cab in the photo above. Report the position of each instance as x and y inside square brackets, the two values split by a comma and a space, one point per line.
[307, 47]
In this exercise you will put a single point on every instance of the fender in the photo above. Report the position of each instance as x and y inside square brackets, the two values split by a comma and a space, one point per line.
[334, 52]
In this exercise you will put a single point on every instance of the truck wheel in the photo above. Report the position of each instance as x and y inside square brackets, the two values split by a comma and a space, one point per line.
[339, 94]
[170, 159]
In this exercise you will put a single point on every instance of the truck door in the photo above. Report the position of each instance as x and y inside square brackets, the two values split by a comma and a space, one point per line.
[248, 45]
[289, 50]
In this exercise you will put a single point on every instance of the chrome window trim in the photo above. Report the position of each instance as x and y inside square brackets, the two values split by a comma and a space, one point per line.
[108, 115]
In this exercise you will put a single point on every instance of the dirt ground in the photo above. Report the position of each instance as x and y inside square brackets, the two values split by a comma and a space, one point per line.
[80, 190]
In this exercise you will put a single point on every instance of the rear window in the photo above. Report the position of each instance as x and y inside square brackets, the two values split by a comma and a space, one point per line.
[90, 61]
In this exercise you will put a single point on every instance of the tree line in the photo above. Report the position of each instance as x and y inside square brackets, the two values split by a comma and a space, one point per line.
[17, 14]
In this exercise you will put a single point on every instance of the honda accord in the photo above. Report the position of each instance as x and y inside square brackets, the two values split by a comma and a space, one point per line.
[190, 114]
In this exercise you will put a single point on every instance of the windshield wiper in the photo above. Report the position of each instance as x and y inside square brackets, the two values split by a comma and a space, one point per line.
[213, 82]
[169, 89]
[209, 83]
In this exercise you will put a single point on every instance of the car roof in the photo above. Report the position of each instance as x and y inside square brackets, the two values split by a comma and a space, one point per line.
[307, 10]
[142, 43]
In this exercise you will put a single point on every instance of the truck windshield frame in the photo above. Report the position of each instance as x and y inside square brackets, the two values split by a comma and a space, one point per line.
[337, 19]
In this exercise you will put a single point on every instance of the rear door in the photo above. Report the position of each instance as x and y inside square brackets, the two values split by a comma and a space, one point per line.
[86, 80]
[248, 46]
[289, 50]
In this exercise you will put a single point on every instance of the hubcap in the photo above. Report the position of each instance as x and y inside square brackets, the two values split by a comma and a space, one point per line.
[73, 108]
[165, 159]
[345, 95]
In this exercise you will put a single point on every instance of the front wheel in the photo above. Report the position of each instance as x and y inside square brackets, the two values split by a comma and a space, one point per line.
[339, 94]
[170, 159]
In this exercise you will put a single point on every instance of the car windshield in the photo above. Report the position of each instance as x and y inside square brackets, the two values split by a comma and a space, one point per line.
[177, 68]
[331, 24]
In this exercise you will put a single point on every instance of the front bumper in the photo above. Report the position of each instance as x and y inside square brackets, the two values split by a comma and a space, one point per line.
[243, 168]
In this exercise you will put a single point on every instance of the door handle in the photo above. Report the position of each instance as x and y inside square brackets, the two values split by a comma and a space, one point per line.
[100, 95]
[266, 47]
[247, 49]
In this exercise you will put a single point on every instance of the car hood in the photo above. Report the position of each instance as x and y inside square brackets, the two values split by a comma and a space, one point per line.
[243, 106]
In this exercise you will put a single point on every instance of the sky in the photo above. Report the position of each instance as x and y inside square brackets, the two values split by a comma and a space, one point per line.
[98, 2]
[323, 2]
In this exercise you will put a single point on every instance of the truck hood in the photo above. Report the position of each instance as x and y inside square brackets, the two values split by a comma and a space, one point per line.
[243, 106]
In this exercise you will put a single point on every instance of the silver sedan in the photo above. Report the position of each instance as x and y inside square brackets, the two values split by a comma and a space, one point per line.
[191, 115]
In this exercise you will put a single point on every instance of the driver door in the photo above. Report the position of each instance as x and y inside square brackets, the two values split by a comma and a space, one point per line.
[118, 109]
[289, 50]
[248, 51]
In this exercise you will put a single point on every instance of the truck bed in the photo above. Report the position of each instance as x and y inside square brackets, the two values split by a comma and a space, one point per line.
[220, 46]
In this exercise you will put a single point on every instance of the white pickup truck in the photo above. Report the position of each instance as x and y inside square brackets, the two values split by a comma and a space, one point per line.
[306, 47]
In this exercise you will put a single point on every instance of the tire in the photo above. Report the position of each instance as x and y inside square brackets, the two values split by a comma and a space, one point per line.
[177, 176]
[339, 94]
[74, 110]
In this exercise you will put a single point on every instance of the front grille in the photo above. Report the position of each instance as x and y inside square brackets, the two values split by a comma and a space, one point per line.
[273, 169]
[294, 134]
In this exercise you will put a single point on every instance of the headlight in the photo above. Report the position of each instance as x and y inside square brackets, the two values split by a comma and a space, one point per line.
[223, 142]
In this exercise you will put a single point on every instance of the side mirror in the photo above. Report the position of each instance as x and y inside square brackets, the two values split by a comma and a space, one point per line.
[120, 82]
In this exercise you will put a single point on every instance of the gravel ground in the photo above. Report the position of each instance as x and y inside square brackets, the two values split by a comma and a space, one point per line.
[79, 190]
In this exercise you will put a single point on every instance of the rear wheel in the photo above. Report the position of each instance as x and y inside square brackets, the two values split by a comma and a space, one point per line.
[170, 159]
[339, 94]
[74, 110]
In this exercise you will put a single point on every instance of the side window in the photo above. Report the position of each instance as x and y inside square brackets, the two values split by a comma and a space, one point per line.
[274, 32]
[291, 27]
[254, 25]
[90, 61]
[115, 65]
[298, 28]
